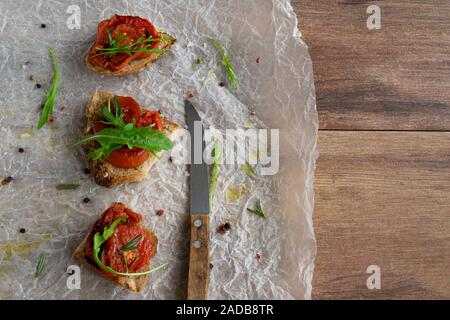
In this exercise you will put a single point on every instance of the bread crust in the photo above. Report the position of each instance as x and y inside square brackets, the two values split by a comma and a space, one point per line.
[104, 173]
[134, 284]
[137, 65]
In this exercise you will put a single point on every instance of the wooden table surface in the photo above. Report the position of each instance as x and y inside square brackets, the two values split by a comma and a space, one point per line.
[382, 181]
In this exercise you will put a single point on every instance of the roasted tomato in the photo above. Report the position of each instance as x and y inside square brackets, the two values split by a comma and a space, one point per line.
[127, 30]
[130, 109]
[152, 117]
[127, 158]
[112, 254]
[131, 158]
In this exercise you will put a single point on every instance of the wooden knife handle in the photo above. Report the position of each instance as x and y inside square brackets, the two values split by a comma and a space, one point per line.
[199, 258]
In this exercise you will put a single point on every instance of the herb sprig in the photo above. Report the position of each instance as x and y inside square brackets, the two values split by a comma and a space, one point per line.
[51, 95]
[258, 210]
[43, 258]
[115, 46]
[99, 239]
[67, 186]
[215, 172]
[132, 245]
[226, 61]
[122, 133]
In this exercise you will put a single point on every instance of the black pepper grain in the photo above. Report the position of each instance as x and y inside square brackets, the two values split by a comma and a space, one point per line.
[38, 85]
[87, 170]
[160, 212]
[170, 159]
[21, 150]
[227, 226]
[222, 84]
[211, 266]
[43, 25]
[22, 230]
[7, 180]
[86, 200]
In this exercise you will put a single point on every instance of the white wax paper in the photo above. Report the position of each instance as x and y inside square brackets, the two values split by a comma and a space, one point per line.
[279, 88]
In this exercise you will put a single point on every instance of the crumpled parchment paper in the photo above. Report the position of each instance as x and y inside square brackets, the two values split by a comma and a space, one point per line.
[256, 259]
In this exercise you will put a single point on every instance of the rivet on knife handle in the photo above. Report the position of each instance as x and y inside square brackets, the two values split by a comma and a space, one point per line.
[199, 258]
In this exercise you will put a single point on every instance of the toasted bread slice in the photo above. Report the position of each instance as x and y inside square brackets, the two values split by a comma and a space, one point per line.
[136, 65]
[104, 173]
[134, 284]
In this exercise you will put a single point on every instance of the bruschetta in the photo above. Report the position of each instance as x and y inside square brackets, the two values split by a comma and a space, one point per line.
[122, 162]
[126, 44]
[119, 248]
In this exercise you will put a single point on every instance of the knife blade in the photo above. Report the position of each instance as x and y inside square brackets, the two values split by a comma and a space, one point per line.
[199, 182]
[198, 276]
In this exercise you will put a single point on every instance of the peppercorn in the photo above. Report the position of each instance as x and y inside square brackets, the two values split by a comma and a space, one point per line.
[7, 180]
[22, 230]
[211, 266]
[21, 150]
[38, 85]
[222, 84]
[227, 226]
[43, 25]
[87, 170]
[160, 212]
[86, 200]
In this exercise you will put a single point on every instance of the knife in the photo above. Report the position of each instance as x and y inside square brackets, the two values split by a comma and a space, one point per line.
[198, 277]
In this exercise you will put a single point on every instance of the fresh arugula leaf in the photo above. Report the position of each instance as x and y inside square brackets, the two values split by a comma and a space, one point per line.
[99, 239]
[258, 210]
[215, 172]
[51, 95]
[109, 231]
[41, 264]
[132, 245]
[111, 139]
[115, 119]
[226, 61]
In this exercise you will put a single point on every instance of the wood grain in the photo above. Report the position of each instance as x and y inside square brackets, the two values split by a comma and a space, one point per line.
[396, 78]
[382, 198]
[198, 278]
